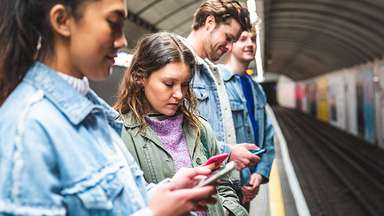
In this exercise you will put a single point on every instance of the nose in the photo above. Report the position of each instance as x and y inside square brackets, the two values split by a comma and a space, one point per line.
[250, 42]
[228, 46]
[178, 94]
[120, 41]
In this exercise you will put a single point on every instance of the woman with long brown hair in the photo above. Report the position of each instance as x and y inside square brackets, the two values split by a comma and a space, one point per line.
[162, 129]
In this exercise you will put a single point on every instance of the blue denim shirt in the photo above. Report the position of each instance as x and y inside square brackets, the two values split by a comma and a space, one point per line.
[243, 126]
[61, 153]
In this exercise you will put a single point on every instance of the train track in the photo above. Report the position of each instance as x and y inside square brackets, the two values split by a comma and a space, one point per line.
[339, 174]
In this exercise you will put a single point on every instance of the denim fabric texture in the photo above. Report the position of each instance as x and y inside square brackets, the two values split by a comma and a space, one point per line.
[243, 126]
[61, 153]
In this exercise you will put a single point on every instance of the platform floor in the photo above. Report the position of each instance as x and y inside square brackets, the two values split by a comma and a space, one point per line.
[275, 198]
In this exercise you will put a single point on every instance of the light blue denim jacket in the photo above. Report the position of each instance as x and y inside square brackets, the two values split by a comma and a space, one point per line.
[243, 126]
[208, 103]
[61, 153]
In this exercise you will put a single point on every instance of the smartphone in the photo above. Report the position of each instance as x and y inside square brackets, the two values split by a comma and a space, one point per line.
[215, 176]
[258, 152]
[216, 159]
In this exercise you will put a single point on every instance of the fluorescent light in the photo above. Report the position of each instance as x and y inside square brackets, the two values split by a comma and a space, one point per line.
[123, 59]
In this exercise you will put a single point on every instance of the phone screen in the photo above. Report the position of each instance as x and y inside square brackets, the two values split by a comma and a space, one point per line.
[258, 151]
[217, 174]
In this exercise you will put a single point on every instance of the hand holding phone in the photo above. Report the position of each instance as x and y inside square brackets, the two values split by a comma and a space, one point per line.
[258, 152]
[217, 175]
[217, 159]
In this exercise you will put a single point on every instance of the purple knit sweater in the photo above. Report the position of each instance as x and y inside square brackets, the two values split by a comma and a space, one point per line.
[170, 132]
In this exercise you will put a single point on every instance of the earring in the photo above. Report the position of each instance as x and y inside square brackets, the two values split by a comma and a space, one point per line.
[38, 46]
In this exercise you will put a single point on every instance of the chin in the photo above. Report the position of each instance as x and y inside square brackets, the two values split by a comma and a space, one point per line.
[169, 113]
[248, 58]
[215, 58]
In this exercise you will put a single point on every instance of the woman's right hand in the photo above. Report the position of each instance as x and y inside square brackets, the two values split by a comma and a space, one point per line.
[168, 201]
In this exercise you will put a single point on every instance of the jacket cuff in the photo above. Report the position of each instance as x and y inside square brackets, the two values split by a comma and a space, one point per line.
[235, 208]
[144, 212]
[264, 173]
[223, 147]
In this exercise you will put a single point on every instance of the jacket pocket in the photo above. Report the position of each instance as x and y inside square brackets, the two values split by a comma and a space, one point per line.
[203, 106]
[102, 194]
[237, 108]
[201, 93]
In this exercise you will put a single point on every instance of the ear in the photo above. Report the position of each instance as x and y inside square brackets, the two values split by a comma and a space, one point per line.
[141, 82]
[60, 18]
[138, 79]
[210, 23]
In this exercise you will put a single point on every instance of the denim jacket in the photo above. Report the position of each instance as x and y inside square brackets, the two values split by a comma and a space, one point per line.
[61, 153]
[157, 162]
[243, 126]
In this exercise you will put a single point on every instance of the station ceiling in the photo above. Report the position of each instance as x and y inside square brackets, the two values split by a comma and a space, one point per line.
[303, 38]
[156, 15]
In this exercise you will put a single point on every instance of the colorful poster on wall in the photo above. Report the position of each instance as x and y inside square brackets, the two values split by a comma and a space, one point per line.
[360, 103]
[299, 96]
[322, 99]
[305, 97]
[336, 100]
[311, 92]
[351, 101]
[379, 102]
[365, 100]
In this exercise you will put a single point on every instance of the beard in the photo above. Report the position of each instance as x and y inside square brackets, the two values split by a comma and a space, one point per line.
[214, 53]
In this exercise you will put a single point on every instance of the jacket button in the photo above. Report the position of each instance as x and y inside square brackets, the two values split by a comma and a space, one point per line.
[198, 161]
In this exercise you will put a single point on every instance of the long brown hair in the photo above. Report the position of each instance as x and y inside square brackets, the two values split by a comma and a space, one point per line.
[152, 53]
[25, 27]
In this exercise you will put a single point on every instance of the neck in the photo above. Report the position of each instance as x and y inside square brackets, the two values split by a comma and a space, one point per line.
[61, 61]
[237, 66]
[195, 40]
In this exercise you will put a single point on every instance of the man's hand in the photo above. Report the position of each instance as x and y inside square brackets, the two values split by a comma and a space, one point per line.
[242, 156]
[250, 190]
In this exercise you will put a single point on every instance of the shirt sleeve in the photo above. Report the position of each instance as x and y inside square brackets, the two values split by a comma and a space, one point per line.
[265, 164]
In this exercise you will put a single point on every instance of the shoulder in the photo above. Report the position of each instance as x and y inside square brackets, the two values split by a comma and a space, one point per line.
[259, 89]
[27, 103]
[226, 72]
[205, 127]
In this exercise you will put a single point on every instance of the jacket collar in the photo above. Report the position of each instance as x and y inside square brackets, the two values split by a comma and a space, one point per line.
[226, 73]
[131, 123]
[69, 101]
[129, 120]
[200, 62]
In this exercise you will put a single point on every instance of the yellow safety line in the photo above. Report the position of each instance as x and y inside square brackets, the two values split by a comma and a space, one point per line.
[276, 201]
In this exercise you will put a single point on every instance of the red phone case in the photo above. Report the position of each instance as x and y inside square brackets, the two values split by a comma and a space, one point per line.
[216, 159]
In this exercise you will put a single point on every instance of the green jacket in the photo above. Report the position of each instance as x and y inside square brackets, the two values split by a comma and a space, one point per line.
[157, 163]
